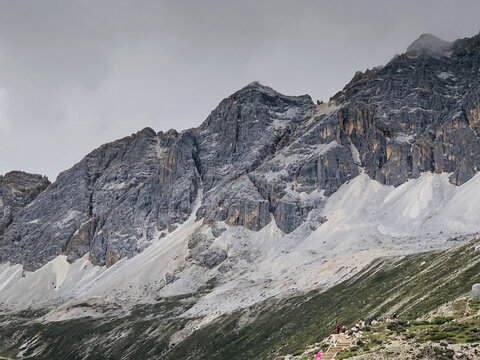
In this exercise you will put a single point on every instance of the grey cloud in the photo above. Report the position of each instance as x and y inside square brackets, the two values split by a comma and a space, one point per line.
[75, 74]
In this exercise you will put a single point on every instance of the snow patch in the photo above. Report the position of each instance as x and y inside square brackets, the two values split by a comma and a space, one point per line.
[71, 215]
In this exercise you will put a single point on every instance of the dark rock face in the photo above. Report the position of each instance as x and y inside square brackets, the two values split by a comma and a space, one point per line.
[201, 250]
[111, 204]
[418, 113]
[259, 157]
[243, 132]
[18, 189]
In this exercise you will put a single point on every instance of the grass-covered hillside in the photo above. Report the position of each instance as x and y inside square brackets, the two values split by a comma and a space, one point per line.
[412, 286]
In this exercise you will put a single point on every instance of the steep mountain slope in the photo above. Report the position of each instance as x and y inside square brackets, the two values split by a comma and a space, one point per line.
[269, 196]
[102, 204]
[125, 194]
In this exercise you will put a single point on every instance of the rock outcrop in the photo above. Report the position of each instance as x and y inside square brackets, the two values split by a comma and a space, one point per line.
[18, 189]
[418, 113]
[476, 292]
[259, 157]
[112, 204]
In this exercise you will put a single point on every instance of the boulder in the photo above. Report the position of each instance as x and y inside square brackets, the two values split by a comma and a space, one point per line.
[476, 292]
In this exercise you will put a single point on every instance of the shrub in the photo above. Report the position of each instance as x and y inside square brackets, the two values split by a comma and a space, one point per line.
[440, 336]
[398, 326]
[440, 320]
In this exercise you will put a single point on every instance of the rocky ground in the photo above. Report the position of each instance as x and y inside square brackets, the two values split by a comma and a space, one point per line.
[450, 332]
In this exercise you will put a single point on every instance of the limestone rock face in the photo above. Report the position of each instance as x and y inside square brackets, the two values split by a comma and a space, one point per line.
[418, 113]
[242, 133]
[111, 204]
[259, 157]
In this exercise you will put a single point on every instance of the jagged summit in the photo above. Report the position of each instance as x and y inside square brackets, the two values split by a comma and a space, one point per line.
[428, 44]
[255, 91]
[254, 86]
[257, 83]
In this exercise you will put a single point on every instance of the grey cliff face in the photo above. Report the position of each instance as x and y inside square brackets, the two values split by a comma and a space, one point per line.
[259, 157]
[18, 189]
[247, 129]
[418, 113]
[111, 204]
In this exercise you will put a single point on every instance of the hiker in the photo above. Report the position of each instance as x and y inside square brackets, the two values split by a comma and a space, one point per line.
[319, 355]
[394, 315]
[337, 328]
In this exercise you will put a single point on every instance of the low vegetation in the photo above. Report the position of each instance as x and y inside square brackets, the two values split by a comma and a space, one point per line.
[412, 286]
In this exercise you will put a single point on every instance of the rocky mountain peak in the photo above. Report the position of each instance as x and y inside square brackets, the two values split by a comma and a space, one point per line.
[22, 180]
[255, 92]
[428, 44]
[262, 156]
[257, 87]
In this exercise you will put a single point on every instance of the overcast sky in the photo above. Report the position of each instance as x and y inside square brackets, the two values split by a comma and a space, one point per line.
[76, 74]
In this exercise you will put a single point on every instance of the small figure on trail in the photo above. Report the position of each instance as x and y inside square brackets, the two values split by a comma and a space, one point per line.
[338, 328]
[319, 355]
[394, 315]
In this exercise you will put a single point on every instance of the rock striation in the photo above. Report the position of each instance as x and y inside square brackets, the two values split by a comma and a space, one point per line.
[259, 157]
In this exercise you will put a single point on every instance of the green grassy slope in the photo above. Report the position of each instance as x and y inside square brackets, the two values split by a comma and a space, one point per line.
[411, 286]
[402, 285]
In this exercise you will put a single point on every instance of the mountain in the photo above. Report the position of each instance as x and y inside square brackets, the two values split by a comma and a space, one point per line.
[270, 196]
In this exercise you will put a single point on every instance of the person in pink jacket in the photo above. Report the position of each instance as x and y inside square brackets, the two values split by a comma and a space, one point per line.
[319, 355]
